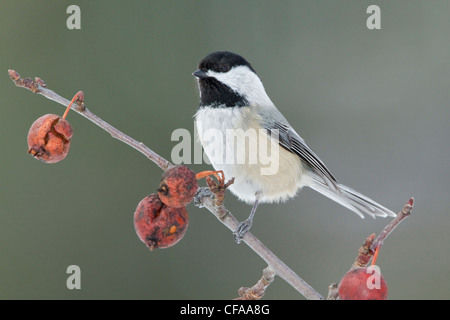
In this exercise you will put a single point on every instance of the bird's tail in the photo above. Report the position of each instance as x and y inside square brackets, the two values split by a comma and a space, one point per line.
[351, 199]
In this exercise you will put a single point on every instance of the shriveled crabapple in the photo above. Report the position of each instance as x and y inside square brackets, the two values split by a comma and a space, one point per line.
[50, 135]
[178, 186]
[158, 225]
[49, 138]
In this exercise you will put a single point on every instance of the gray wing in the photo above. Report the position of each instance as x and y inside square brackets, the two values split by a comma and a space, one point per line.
[323, 180]
[291, 141]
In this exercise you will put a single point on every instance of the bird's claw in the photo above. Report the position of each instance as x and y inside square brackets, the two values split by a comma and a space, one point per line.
[241, 230]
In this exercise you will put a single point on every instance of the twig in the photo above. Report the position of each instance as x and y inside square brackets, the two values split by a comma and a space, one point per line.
[406, 211]
[364, 253]
[333, 291]
[369, 246]
[39, 86]
[259, 289]
[204, 197]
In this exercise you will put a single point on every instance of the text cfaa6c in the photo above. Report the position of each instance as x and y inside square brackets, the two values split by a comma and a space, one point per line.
[232, 309]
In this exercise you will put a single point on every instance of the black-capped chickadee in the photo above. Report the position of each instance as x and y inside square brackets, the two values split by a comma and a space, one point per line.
[234, 104]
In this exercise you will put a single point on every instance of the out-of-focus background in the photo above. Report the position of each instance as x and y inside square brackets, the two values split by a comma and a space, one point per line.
[373, 104]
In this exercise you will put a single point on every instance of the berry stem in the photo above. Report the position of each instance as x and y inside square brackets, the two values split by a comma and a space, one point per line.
[375, 255]
[75, 97]
[207, 173]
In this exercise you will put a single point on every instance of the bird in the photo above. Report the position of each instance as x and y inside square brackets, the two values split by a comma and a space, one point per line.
[234, 103]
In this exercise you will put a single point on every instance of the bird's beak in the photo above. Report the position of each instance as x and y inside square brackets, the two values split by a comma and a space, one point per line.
[200, 74]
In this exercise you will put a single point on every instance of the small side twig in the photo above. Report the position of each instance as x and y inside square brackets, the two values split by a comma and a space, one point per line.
[218, 189]
[333, 291]
[406, 212]
[259, 289]
[364, 253]
[369, 246]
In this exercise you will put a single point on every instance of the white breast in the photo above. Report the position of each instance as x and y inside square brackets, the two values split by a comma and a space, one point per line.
[212, 125]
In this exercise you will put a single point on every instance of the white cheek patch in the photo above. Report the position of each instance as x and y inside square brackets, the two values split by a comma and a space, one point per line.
[244, 82]
[238, 78]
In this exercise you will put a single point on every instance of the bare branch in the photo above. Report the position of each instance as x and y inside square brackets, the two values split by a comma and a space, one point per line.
[38, 86]
[205, 198]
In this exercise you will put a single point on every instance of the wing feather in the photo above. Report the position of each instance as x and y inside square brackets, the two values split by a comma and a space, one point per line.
[291, 141]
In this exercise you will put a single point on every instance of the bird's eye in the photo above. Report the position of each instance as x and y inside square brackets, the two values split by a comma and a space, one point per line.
[224, 68]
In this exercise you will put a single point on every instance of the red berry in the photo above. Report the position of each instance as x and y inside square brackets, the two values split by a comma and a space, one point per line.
[363, 284]
[49, 138]
[178, 186]
[158, 225]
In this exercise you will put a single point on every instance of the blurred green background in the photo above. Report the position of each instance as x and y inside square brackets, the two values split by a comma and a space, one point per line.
[374, 105]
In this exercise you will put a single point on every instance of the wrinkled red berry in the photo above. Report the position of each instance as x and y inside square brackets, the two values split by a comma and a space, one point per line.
[49, 138]
[178, 186]
[363, 284]
[158, 225]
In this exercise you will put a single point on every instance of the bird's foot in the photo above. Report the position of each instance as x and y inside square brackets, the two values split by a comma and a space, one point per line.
[241, 230]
